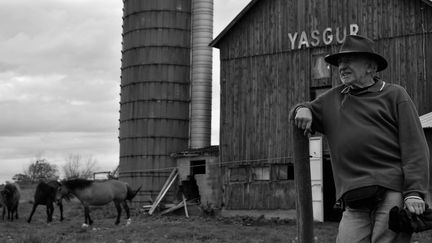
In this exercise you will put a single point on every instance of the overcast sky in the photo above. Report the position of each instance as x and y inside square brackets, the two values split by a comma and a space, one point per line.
[60, 80]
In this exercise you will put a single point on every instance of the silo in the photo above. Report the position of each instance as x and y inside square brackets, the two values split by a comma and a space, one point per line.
[155, 91]
[201, 73]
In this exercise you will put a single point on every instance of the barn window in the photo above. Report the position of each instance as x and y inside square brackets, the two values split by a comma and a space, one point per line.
[261, 173]
[284, 172]
[198, 167]
[237, 174]
[320, 69]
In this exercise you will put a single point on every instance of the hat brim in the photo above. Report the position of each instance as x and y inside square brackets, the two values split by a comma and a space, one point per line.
[381, 61]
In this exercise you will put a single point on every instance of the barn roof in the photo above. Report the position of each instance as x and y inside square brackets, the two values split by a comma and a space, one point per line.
[426, 120]
[215, 42]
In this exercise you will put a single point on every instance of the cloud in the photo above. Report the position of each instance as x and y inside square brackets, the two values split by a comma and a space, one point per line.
[60, 80]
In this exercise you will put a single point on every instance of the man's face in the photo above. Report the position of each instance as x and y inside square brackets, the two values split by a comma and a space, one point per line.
[353, 69]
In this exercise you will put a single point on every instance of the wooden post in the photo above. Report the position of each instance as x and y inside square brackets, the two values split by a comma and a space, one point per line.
[302, 179]
[185, 206]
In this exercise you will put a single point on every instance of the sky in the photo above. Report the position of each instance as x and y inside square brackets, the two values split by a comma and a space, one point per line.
[60, 80]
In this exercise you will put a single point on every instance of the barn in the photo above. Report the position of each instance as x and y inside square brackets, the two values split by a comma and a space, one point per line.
[271, 57]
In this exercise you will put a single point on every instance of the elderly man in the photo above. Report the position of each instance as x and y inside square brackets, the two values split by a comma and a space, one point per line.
[377, 145]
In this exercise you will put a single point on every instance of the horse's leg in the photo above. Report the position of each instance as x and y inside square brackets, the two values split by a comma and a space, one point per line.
[87, 215]
[47, 209]
[60, 204]
[50, 211]
[32, 212]
[126, 208]
[4, 211]
[10, 214]
[117, 205]
[16, 210]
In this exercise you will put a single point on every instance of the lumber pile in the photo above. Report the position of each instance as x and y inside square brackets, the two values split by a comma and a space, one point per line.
[168, 183]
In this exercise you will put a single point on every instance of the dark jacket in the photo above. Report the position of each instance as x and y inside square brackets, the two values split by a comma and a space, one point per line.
[375, 138]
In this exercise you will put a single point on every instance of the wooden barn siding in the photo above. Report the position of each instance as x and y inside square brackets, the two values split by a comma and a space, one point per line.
[262, 78]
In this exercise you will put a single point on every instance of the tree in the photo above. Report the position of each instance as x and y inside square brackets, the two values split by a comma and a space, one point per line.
[41, 170]
[76, 168]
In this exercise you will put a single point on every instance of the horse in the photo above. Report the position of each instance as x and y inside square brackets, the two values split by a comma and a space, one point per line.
[11, 194]
[97, 193]
[2, 201]
[45, 194]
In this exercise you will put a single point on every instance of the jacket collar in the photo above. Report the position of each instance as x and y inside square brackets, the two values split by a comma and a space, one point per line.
[376, 87]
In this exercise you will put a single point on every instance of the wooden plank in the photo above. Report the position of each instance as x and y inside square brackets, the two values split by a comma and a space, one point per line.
[168, 180]
[303, 186]
[163, 193]
[185, 206]
[181, 204]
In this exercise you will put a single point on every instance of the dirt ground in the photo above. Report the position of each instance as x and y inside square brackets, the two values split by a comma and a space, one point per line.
[145, 228]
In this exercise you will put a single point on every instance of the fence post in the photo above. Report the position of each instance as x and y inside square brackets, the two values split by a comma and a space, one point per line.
[302, 179]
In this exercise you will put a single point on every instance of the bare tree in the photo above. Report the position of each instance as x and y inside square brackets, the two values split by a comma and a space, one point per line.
[76, 167]
[41, 170]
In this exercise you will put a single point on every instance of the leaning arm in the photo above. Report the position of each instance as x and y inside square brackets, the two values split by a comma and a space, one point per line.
[316, 108]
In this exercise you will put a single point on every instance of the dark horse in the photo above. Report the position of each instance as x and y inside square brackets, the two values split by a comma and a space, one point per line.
[45, 194]
[10, 196]
[98, 193]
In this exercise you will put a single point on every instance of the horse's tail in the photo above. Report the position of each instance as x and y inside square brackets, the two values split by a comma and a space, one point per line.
[130, 193]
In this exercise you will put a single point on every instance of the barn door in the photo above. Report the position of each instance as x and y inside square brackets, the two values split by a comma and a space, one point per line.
[316, 167]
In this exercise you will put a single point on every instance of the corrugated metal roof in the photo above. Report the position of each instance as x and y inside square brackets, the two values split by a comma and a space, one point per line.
[215, 43]
[426, 120]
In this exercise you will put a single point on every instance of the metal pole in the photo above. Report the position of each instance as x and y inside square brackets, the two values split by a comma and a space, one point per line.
[302, 179]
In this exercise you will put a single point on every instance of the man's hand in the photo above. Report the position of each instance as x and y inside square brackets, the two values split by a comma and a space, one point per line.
[415, 205]
[303, 119]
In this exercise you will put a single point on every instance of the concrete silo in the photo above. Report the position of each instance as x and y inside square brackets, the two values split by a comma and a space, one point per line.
[155, 104]
[201, 73]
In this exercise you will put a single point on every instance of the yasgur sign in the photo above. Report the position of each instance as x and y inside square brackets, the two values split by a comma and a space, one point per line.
[315, 37]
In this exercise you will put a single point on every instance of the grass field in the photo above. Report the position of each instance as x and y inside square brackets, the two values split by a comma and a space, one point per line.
[146, 228]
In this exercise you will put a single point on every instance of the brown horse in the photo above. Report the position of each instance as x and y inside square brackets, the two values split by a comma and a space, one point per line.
[45, 194]
[10, 195]
[98, 193]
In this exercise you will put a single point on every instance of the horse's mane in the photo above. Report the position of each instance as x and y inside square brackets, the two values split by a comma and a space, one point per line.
[77, 183]
[53, 183]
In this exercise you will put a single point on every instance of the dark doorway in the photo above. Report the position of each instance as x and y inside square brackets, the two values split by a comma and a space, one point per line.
[330, 214]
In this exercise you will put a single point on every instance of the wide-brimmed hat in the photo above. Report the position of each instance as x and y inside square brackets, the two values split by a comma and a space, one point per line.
[355, 44]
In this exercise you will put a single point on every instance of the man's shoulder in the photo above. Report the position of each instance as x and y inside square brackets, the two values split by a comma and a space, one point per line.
[397, 91]
[394, 88]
